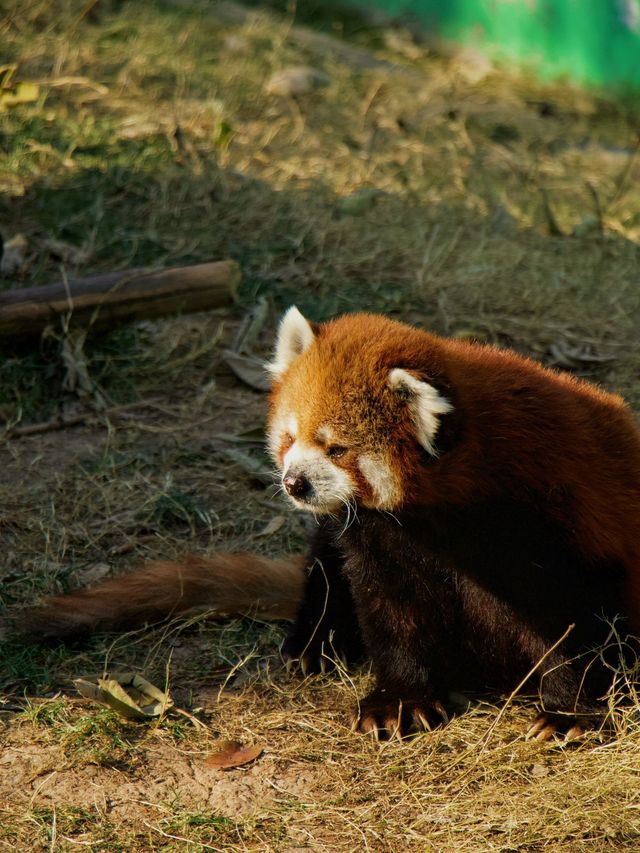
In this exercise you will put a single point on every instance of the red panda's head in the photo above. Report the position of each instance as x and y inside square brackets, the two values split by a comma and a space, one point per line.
[351, 412]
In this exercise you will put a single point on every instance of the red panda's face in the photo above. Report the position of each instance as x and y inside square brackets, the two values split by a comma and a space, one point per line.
[347, 420]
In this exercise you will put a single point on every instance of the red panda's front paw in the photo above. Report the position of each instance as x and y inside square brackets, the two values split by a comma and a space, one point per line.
[385, 715]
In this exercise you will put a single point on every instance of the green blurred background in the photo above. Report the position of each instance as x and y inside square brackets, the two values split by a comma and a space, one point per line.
[588, 41]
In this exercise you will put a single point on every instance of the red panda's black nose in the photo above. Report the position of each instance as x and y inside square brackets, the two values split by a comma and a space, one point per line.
[297, 485]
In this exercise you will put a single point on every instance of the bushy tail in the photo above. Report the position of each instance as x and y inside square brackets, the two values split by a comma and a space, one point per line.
[228, 584]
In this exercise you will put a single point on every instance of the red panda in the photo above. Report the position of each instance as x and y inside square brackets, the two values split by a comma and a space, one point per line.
[474, 507]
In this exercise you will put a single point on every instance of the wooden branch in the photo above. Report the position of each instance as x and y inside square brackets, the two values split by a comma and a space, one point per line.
[65, 421]
[103, 301]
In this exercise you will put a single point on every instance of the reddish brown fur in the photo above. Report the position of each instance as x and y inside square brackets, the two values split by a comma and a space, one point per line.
[228, 584]
[501, 452]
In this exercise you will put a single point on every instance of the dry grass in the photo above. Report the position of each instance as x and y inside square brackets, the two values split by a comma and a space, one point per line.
[153, 142]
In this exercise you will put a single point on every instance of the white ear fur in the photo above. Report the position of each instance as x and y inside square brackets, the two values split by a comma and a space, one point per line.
[295, 335]
[425, 403]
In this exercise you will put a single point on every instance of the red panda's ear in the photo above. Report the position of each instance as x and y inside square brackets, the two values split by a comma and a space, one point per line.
[425, 404]
[295, 335]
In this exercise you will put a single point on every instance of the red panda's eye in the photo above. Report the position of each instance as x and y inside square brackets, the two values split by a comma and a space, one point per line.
[336, 451]
[288, 439]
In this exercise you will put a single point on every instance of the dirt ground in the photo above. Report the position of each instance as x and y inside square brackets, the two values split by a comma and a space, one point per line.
[408, 179]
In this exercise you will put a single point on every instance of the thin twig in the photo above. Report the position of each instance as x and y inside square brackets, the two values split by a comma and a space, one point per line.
[477, 753]
[624, 174]
[596, 201]
[552, 222]
[63, 422]
[181, 838]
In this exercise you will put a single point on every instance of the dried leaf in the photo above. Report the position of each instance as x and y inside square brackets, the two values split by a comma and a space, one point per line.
[13, 255]
[128, 693]
[235, 43]
[249, 369]
[22, 93]
[252, 465]
[93, 574]
[402, 41]
[539, 770]
[295, 81]
[65, 252]
[273, 526]
[473, 65]
[251, 326]
[249, 436]
[232, 754]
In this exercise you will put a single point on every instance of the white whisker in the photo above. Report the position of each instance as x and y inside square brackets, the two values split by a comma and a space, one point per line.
[394, 517]
[351, 508]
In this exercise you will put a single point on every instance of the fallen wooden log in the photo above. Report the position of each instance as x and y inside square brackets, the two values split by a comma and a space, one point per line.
[103, 301]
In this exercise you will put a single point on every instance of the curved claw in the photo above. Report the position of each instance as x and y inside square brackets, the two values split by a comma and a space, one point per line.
[545, 726]
[438, 707]
[313, 660]
[422, 721]
[575, 733]
[303, 665]
[387, 716]
[541, 729]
